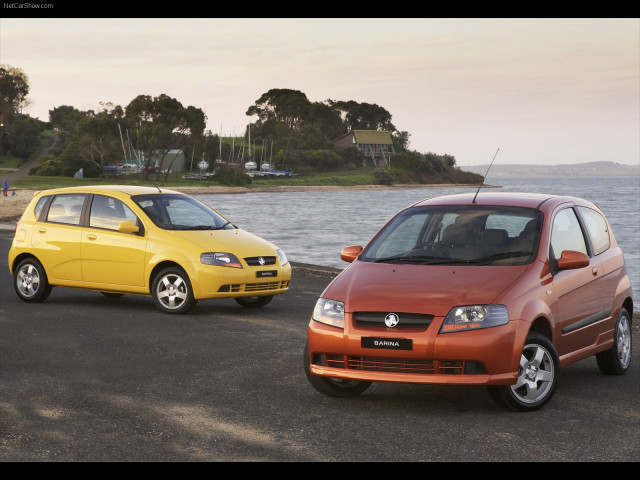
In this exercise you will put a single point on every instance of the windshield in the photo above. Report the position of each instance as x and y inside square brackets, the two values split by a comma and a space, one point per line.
[180, 212]
[458, 235]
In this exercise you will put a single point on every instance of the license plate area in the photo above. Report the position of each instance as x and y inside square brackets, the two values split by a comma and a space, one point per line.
[266, 273]
[386, 343]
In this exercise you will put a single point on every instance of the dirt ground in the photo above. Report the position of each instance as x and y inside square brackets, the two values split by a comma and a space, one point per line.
[12, 206]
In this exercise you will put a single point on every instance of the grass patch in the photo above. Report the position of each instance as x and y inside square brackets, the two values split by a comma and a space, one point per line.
[339, 178]
[9, 163]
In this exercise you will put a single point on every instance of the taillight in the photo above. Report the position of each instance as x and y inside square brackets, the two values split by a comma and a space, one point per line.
[16, 229]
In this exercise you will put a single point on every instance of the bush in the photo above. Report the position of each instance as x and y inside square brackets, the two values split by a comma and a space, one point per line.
[232, 175]
[383, 176]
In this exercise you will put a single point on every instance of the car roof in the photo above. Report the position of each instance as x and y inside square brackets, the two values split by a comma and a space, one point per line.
[125, 189]
[540, 201]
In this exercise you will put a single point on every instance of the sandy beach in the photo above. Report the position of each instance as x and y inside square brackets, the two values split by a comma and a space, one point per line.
[12, 206]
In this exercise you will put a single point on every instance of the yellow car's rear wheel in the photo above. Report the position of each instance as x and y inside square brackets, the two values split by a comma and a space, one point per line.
[30, 281]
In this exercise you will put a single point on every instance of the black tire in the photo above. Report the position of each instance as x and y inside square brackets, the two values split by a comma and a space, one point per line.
[538, 376]
[617, 359]
[333, 387]
[171, 291]
[30, 281]
[254, 302]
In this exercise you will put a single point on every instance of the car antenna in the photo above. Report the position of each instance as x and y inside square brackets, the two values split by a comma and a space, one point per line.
[485, 176]
[157, 187]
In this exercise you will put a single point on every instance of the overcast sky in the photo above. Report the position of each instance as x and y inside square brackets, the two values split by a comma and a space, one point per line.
[547, 91]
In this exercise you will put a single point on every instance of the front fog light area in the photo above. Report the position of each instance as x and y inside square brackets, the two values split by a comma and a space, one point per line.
[220, 259]
[329, 312]
[474, 317]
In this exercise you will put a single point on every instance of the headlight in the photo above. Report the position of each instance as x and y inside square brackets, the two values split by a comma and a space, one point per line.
[330, 312]
[282, 257]
[220, 259]
[474, 317]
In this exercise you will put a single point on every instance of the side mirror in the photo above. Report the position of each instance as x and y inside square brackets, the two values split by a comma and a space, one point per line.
[571, 259]
[349, 254]
[128, 226]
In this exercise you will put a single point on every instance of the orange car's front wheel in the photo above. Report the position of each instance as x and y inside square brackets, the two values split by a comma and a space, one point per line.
[538, 374]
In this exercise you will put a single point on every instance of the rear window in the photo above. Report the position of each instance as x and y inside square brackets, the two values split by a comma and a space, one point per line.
[66, 209]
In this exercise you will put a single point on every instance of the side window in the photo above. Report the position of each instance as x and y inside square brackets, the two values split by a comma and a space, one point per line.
[566, 233]
[66, 209]
[596, 228]
[107, 212]
[40, 205]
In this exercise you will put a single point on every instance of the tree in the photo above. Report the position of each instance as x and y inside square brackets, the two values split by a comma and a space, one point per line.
[363, 116]
[65, 117]
[98, 138]
[21, 136]
[14, 88]
[281, 106]
[163, 124]
[326, 119]
[400, 141]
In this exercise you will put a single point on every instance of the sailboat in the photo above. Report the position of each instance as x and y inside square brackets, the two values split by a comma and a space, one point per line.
[265, 165]
[219, 159]
[250, 165]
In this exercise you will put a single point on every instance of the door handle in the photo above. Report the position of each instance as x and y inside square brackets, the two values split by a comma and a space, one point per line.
[594, 270]
[91, 236]
[42, 230]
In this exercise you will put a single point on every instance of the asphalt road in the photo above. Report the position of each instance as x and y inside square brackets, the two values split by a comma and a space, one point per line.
[87, 378]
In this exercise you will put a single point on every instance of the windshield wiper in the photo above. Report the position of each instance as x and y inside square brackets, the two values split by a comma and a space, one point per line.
[421, 259]
[200, 227]
[499, 256]
[221, 227]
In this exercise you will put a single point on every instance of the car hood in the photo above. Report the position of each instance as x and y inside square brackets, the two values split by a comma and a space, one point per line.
[237, 241]
[430, 289]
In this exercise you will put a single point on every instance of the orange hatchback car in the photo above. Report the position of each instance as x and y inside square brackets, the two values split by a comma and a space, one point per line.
[496, 289]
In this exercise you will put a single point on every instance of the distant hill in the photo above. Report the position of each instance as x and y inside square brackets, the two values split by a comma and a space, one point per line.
[590, 169]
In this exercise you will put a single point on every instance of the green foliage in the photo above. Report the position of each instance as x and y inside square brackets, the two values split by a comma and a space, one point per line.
[324, 160]
[352, 156]
[292, 133]
[164, 124]
[408, 161]
[21, 136]
[9, 162]
[232, 175]
[14, 88]
[383, 176]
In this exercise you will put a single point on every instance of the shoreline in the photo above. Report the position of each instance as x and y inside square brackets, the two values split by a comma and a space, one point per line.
[12, 206]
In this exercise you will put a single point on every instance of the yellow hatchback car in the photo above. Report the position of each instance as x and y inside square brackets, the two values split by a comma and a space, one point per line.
[141, 240]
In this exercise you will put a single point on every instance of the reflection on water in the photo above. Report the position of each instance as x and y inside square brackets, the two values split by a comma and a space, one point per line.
[312, 227]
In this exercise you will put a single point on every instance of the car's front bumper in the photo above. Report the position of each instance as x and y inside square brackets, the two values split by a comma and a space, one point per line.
[483, 357]
[224, 282]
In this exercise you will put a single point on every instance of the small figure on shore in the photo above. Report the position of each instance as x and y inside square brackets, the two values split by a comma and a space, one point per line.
[5, 188]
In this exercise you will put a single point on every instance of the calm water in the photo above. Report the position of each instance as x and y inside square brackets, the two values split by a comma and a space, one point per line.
[312, 227]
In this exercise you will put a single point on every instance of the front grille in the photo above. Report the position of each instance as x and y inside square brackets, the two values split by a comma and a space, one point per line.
[405, 320]
[399, 365]
[255, 261]
[253, 287]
